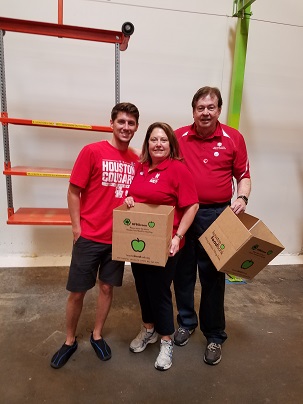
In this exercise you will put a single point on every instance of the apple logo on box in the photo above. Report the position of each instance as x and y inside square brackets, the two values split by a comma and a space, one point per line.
[138, 245]
[247, 264]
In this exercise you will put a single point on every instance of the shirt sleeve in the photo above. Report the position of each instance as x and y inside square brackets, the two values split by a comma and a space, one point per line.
[82, 169]
[241, 161]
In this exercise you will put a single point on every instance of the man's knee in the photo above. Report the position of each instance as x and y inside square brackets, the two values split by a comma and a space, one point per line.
[105, 288]
[76, 297]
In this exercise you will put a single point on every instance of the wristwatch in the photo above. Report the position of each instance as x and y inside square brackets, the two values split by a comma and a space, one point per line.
[245, 199]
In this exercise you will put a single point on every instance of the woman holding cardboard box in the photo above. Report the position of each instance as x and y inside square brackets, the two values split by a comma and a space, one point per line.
[161, 179]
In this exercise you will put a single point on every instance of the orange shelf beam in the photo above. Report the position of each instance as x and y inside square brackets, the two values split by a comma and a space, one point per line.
[38, 171]
[64, 31]
[4, 119]
[40, 216]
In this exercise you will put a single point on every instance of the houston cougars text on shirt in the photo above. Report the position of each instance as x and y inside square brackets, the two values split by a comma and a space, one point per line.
[117, 174]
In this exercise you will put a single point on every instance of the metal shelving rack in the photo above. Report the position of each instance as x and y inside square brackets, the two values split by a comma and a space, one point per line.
[50, 216]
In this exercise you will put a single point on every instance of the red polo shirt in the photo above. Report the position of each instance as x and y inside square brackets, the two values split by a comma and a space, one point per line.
[214, 161]
[170, 183]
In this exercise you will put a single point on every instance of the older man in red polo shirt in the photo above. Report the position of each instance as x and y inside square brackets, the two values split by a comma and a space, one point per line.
[216, 155]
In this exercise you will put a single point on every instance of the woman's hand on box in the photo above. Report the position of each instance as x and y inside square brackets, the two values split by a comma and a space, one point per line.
[129, 201]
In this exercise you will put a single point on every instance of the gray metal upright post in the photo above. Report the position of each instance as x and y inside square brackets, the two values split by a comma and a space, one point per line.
[117, 73]
[5, 126]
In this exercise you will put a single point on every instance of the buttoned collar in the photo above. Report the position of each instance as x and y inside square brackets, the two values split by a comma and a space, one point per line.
[160, 167]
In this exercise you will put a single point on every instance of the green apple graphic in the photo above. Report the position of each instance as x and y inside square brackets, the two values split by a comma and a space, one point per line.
[247, 264]
[269, 252]
[222, 246]
[151, 224]
[138, 245]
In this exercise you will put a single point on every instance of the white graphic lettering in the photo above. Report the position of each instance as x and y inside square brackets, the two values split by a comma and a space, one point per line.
[155, 179]
[118, 174]
[219, 147]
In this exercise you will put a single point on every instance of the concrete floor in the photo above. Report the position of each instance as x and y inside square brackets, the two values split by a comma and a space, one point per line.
[262, 359]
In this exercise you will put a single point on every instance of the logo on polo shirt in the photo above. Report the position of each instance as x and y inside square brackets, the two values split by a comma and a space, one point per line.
[219, 147]
[155, 179]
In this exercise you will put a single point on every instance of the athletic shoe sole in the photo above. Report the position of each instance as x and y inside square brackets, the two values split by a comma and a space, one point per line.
[212, 363]
[162, 368]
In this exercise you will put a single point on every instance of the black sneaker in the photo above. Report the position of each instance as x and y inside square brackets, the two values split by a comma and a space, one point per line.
[212, 355]
[63, 354]
[101, 348]
[181, 336]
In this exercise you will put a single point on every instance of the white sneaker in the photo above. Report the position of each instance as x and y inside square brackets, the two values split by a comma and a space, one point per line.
[165, 357]
[142, 339]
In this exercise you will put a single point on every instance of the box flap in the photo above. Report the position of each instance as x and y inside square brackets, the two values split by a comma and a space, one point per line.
[248, 220]
[233, 228]
[146, 208]
[261, 231]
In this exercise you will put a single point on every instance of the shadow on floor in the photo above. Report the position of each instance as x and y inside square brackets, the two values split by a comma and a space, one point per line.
[262, 358]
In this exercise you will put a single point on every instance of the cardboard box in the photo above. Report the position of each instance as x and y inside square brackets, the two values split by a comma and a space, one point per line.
[240, 245]
[142, 234]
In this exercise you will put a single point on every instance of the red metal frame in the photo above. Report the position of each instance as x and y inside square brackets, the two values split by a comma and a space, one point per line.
[42, 216]
[30, 171]
[64, 31]
[4, 119]
[51, 216]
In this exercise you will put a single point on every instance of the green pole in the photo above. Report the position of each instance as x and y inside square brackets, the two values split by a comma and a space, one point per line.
[237, 80]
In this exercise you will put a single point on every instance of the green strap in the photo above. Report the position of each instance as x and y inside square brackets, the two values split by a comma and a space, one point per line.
[237, 80]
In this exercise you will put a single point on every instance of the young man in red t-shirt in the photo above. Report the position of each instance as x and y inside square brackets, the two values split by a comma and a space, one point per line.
[99, 183]
[216, 155]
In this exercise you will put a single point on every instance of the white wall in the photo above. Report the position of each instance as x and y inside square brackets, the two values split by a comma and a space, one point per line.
[177, 47]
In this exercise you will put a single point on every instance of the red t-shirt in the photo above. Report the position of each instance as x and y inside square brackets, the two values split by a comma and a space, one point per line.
[214, 161]
[170, 183]
[104, 175]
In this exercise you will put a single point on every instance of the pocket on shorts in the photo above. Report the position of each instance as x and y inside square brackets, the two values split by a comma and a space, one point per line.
[78, 240]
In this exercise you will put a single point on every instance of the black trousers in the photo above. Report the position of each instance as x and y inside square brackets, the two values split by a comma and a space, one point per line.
[193, 255]
[153, 285]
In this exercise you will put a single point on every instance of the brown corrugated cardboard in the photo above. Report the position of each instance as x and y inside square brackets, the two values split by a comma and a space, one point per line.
[142, 234]
[240, 245]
